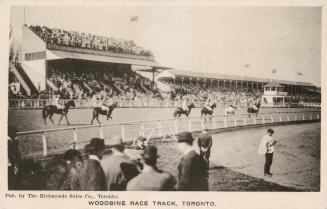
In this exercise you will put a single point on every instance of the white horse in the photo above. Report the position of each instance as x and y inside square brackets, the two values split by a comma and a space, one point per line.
[231, 110]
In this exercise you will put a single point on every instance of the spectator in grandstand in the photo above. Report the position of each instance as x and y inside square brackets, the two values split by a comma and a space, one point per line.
[151, 178]
[267, 148]
[14, 159]
[93, 177]
[67, 172]
[111, 164]
[205, 144]
[192, 169]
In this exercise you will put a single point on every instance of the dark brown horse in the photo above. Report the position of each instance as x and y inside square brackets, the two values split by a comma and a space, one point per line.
[50, 110]
[206, 112]
[179, 111]
[252, 110]
[98, 110]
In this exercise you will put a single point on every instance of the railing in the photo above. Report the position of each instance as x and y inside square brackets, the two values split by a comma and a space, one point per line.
[52, 141]
[90, 103]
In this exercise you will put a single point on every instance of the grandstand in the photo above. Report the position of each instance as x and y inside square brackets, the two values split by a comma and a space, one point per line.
[79, 65]
[85, 66]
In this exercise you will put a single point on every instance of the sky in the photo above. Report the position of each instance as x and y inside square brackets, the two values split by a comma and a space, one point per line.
[238, 40]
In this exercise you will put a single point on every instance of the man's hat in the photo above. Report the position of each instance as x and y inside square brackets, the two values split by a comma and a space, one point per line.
[115, 141]
[96, 144]
[270, 131]
[185, 137]
[150, 155]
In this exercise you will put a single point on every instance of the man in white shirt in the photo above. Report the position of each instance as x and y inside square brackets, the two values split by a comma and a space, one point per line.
[267, 148]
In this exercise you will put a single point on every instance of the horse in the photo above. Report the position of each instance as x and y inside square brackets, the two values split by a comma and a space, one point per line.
[98, 110]
[206, 112]
[179, 111]
[252, 110]
[50, 110]
[230, 110]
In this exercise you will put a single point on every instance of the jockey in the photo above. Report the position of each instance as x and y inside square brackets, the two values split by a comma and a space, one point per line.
[208, 104]
[105, 107]
[254, 105]
[56, 102]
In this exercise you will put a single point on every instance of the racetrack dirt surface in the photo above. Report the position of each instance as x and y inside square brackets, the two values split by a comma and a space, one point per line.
[237, 166]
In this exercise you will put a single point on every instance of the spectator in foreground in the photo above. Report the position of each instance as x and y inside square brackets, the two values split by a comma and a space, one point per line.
[93, 175]
[151, 179]
[205, 144]
[111, 164]
[267, 148]
[14, 159]
[192, 170]
[67, 175]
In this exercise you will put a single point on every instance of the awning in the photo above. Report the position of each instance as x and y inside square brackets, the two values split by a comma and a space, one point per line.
[56, 54]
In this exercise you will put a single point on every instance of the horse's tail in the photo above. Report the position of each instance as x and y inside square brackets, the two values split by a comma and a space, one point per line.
[44, 112]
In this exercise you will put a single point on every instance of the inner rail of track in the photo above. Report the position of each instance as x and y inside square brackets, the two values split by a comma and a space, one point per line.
[167, 127]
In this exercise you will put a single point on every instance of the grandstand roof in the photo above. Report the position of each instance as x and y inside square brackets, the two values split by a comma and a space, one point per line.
[92, 57]
[203, 75]
[272, 85]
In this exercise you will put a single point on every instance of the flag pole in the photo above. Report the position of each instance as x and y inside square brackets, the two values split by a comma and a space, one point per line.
[24, 15]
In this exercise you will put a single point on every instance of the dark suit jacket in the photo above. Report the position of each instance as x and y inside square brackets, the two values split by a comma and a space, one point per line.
[152, 181]
[93, 178]
[205, 140]
[192, 173]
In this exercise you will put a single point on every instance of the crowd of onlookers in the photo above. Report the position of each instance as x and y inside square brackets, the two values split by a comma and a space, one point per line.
[88, 41]
[107, 167]
[101, 85]
[128, 85]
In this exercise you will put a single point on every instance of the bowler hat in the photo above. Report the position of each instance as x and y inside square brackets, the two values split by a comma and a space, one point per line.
[150, 155]
[185, 137]
[96, 144]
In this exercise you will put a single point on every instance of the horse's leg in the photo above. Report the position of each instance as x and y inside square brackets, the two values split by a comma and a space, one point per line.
[97, 117]
[50, 117]
[60, 119]
[67, 119]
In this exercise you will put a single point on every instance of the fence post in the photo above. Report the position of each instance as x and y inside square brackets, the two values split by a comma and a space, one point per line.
[45, 144]
[318, 116]
[202, 125]
[303, 118]
[214, 123]
[254, 120]
[244, 120]
[225, 122]
[175, 126]
[234, 121]
[75, 146]
[288, 117]
[295, 117]
[159, 128]
[189, 125]
[280, 118]
[142, 129]
[123, 132]
[263, 119]
[272, 118]
[310, 116]
[100, 132]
